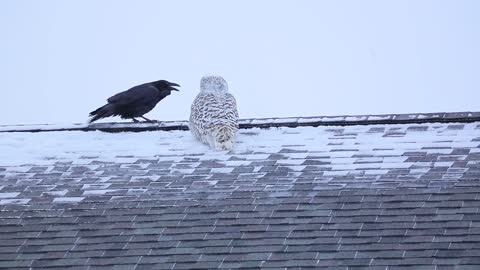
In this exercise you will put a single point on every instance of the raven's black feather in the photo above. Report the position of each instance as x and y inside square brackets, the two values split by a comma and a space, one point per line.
[136, 101]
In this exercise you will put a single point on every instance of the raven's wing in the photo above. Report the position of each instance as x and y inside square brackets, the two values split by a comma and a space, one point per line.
[141, 92]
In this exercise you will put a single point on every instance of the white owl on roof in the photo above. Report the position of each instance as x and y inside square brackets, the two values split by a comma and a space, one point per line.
[214, 115]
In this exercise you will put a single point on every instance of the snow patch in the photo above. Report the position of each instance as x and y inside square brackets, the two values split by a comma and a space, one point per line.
[98, 191]
[68, 199]
[9, 195]
[14, 201]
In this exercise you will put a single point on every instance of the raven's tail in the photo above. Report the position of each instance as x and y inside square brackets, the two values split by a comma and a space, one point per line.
[102, 112]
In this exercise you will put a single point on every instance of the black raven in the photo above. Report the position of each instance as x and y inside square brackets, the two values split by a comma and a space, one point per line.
[135, 102]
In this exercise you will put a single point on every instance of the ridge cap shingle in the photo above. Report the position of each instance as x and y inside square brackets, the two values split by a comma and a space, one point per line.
[300, 121]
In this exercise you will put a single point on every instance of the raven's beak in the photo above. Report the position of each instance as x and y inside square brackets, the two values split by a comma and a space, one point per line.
[172, 86]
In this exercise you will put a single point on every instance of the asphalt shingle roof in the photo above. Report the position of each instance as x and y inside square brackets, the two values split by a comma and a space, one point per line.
[336, 197]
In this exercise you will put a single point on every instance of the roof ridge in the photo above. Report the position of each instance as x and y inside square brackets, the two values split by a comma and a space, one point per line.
[314, 121]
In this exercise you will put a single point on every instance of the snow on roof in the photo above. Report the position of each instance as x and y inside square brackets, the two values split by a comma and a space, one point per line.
[81, 147]
[375, 196]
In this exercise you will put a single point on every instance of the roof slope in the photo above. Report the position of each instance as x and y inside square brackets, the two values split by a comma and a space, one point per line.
[356, 197]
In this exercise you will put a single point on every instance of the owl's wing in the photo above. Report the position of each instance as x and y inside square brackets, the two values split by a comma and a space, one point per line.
[231, 107]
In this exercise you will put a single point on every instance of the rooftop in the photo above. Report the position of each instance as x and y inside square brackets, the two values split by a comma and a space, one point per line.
[357, 192]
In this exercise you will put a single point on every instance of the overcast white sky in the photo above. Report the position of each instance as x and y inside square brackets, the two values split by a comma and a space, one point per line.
[61, 59]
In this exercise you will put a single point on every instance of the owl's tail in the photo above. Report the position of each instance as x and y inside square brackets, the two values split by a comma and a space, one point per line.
[223, 137]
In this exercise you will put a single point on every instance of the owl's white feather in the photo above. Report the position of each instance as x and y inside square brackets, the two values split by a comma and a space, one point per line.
[214, 115]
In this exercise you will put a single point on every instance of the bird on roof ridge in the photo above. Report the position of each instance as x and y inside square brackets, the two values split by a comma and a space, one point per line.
[135, 102]
[214, 115]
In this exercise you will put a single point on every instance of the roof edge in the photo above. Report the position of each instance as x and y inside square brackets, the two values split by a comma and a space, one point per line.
[313, 121]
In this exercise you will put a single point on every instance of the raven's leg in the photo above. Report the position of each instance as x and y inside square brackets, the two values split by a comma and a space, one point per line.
[148, 120]
[135, 120]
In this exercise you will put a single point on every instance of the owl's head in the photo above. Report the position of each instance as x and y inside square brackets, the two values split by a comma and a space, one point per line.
[213, 83]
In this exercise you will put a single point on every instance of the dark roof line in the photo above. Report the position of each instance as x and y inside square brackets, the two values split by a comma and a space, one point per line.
[313, 121]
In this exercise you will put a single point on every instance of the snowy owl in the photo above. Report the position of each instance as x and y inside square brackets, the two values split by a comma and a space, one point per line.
[214, 116]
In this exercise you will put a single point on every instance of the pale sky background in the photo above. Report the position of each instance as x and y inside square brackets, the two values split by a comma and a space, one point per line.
[61, 59]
